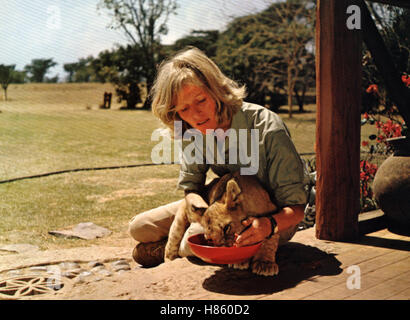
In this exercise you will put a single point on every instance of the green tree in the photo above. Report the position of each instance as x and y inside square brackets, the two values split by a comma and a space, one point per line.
[268, 51]
[143, 22]
[38, 69]
[205, 40]
[51, 80]
[70, 68]
[118, 67]
[306, 79]
[240, 51]
[81, 71]
[6, 76]
[393, 24]
[104, 66]
[18, 76]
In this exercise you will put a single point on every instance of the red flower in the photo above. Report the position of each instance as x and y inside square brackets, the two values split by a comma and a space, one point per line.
[367, 172]
[372, 169]
[373, 88]
[406, 79]
[396, 131]
[381, 138]
[365, 143]
[364, 176]
[366, 116]
[387, 127]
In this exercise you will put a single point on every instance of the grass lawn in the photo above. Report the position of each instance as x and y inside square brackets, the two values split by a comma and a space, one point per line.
[52, 127]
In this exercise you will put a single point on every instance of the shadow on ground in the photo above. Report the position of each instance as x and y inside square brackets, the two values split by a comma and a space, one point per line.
[297, 262]
[395, 244]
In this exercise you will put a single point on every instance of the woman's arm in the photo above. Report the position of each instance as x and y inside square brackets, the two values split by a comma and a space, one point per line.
[261, 226]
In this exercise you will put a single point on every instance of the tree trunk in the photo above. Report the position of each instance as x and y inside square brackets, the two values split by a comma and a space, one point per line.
[150, 78]
[291, 85]
[148, 100]
[5, 93]
[300, 99]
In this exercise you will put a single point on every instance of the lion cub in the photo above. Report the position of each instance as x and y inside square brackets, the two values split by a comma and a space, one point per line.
[231, 199]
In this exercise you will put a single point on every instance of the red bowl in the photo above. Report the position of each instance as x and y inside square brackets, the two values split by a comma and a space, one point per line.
[220, 255]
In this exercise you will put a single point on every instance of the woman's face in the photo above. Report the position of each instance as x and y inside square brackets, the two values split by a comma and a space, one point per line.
[195, 106]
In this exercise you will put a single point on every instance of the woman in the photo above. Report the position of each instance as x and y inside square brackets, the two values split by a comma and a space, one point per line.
[190, 88]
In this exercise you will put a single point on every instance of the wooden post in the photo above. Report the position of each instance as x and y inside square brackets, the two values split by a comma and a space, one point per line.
[338, 85]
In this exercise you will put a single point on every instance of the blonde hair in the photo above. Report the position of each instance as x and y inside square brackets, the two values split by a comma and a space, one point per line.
[192, 66]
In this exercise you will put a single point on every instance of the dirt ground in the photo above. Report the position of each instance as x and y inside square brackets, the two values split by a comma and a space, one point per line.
[186, 278]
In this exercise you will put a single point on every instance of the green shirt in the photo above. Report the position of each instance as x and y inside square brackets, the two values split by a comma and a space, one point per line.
[272, 155]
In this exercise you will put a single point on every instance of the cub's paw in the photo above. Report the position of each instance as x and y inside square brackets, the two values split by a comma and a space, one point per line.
[265, 268]
[241, 266]
[170, 255]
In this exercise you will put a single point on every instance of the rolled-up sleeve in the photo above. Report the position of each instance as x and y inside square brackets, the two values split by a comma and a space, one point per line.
[193, 178]
[285, 170]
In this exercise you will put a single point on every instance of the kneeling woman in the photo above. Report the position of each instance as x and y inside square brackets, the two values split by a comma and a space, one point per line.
[191, 88]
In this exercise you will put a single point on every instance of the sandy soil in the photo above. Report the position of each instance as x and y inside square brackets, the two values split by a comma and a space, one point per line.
[184, 278]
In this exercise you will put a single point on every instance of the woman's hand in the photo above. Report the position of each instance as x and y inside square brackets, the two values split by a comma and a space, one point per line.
[259, 229]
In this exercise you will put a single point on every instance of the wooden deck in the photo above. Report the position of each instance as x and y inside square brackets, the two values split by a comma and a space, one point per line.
[379, 266]
[376, 267]
[381, 262]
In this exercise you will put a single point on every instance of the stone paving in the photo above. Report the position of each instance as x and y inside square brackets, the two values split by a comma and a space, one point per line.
[33, 274]
[47, 279]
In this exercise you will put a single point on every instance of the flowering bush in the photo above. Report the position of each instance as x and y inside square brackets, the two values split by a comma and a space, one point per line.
[377, 145]
[406, 79]
[373, 88]
[392, 128]
[367, 172]
[388, 125]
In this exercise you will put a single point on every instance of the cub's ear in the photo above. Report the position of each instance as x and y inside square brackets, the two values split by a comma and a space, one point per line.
[196, 206]
[232, 193]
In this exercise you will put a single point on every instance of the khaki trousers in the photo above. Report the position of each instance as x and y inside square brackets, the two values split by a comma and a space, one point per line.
[153, 225]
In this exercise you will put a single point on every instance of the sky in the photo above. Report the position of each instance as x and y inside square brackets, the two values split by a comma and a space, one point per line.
[72, 29]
